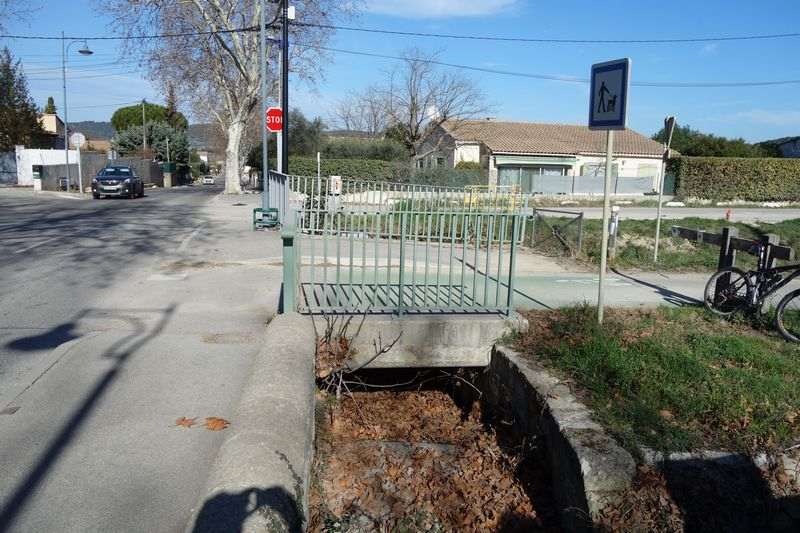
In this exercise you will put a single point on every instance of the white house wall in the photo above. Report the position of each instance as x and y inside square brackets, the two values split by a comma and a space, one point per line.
[467, 152]
[28, 157]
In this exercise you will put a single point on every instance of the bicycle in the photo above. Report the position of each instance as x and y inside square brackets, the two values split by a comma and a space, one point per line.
[732, 290]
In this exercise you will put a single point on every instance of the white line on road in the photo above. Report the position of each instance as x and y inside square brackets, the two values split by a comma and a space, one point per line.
[186, 240]
[32, 246]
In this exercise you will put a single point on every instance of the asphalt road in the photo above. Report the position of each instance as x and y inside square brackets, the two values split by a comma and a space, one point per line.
[117, 317]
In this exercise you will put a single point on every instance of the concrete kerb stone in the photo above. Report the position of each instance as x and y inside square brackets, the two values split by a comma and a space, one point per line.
[260, 478]
[431, 340]
[589, 469]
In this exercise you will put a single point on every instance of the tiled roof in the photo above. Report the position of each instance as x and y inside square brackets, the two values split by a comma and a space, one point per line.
[539, 138]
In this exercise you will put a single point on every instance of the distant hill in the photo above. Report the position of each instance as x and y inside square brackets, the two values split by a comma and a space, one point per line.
[200, 135]
[93, 129]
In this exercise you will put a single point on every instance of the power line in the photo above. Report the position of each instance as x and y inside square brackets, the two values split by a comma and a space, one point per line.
[569, 79]
[104, 105]
[106, 75]
[129, 37]
[669, 40]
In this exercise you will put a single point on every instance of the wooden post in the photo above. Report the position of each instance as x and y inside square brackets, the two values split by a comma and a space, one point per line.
[766, 258]
[727, 257]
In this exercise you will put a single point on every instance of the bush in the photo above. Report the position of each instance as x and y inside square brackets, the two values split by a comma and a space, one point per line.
[468, 165]
[736, 178]
[396, 171]
[382, 149]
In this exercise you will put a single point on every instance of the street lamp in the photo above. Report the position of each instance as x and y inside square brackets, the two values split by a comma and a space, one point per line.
[85, 51]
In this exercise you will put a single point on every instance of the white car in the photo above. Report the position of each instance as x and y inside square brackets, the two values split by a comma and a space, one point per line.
[208, 180]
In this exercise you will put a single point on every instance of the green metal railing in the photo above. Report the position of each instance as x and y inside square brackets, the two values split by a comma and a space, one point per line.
[375, 247]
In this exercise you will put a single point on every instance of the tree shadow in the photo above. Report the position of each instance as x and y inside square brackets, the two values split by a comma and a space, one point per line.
[120, 351]
[275, 509]
[728, 493]
[48, 340]
[669, 296]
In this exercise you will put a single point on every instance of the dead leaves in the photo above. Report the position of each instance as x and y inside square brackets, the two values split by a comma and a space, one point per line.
[216, 424]
[212, 423]
[185, 422]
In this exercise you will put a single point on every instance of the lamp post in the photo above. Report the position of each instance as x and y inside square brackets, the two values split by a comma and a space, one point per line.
[64, 51]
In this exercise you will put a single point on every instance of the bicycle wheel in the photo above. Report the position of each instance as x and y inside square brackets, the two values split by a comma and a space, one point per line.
[728, 291]
[787, 316]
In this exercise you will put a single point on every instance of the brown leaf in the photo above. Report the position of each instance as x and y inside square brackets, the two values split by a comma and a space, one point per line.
[216, 424]
[666, 414]
[185, 422]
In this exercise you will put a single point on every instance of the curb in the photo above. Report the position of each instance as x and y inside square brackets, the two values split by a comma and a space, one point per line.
[260, 478]
[588, 468]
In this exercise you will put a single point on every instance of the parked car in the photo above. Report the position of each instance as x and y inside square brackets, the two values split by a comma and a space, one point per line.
[208, 180]
[117, 180]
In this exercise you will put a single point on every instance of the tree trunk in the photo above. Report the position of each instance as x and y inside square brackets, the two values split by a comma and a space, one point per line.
[233, 165]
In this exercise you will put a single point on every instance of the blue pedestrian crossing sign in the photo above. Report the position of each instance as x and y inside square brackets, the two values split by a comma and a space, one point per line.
[609, 97]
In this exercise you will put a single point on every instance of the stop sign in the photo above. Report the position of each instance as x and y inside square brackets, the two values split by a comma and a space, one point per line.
[274, 119]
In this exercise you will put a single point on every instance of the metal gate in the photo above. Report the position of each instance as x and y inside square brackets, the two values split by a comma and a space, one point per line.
[377, 247]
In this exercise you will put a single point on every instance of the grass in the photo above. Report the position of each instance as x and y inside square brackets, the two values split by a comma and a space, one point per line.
[636, 240]
[674, 379]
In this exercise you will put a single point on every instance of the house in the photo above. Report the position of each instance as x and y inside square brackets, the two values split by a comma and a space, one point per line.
[53, 128]
[544, 158]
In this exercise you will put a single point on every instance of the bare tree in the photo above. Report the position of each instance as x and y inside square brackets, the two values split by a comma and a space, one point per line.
[218, 73]
[16, 9]
[362, 111]
[419, 97]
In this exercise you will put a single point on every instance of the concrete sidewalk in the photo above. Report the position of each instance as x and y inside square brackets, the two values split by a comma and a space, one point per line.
[89, 440]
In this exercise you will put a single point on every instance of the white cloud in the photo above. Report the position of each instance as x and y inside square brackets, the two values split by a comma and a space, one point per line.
[709, 49]
[437, 8]
[771, 118]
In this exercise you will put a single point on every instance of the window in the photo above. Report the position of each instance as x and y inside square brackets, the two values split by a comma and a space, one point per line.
[440, 161]
[529, 177]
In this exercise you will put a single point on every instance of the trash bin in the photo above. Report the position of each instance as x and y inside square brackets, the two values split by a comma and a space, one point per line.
[63, 184]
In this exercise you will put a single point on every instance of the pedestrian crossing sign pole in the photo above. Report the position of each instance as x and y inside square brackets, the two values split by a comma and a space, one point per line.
[608, 110]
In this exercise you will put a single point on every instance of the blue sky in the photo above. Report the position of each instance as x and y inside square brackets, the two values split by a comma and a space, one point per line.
[755, 113]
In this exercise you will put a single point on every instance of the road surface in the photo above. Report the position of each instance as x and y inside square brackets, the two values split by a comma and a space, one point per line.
[118, 317]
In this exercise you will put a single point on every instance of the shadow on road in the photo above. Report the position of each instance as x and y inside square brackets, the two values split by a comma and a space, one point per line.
[669, 296]
[120, 351]
[228, 512]
[48, 340]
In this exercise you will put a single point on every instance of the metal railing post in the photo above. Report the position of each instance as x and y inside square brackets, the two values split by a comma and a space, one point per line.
[512, 263]
[289, 289]
[400, 276]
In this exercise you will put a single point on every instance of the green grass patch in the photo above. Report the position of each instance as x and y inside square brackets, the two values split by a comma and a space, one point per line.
[636, 240]
[674, 379]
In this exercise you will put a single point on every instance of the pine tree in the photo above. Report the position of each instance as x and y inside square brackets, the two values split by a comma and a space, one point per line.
[50, 108]
[174, 117]
[18, 113]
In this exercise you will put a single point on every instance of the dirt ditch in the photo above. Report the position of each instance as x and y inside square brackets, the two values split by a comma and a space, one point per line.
[427, 456]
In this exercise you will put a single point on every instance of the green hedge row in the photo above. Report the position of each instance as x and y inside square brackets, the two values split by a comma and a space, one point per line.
[373, 169]
[737, 178]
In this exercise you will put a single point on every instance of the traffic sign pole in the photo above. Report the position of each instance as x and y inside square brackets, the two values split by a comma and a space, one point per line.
[606, 217]
[669, 128]
[608, 110]
[264, 135]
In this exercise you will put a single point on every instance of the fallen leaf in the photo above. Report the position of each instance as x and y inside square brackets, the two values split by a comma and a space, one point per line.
[216, 424]
[666, 414]
[185, 422]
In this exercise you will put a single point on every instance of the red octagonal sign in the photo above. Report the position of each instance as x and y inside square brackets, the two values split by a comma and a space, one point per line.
[274, 119]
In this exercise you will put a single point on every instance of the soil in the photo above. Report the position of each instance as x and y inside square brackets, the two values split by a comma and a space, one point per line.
[416, 461]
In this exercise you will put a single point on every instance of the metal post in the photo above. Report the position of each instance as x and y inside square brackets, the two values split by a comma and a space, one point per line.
[289, 271]
[285, 86]
[66, 119]
[264, 136]
[669, 127]
[606, 213]
[80, 172]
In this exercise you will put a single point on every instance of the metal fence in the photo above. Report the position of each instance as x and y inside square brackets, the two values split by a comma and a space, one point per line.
[555, 232]
[377, 247]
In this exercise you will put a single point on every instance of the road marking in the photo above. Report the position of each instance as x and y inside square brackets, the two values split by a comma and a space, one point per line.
[32, 246]
[186, 240]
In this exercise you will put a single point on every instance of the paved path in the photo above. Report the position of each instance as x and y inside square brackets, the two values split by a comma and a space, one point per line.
[738, 214]
[118, 317]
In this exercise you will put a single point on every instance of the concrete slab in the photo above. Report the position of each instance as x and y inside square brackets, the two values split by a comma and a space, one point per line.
[430, 340]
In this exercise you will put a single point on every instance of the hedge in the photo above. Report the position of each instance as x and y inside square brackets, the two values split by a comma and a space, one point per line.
[373, 169]
[737, 178]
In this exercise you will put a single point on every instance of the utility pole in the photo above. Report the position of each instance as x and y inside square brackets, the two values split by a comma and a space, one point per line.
[285, 86]
[168, 150]
[144, 129]
[66, 119]
[264, 135]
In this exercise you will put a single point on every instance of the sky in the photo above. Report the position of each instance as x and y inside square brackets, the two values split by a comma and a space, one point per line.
[754, 113]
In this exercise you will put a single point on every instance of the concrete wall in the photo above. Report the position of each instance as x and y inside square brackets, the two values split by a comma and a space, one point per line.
[28, 157]
[8, 168]
[92, 163]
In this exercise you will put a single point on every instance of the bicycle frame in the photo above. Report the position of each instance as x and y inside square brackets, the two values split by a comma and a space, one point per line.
[762, 275]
